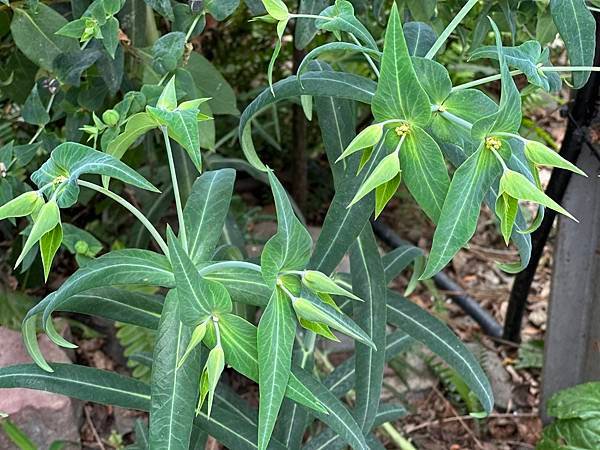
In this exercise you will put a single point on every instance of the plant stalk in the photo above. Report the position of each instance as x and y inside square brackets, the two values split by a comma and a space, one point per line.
[132, 209]
[178, 203]
[450, 28]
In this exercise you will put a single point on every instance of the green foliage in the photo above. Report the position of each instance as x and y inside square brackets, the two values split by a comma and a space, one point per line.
[576, 423]
[152, 107]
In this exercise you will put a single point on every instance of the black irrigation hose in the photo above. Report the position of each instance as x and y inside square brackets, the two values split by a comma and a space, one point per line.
[469, 305]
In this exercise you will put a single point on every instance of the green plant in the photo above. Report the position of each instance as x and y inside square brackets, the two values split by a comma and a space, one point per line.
[576, 419]
[420, 122]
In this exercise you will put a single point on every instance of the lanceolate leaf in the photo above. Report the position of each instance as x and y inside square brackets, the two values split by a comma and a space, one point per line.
[399, 94]
[439, 339]
[116, 304]
[275, 338]
[342, 379]
[47, 219]
[577, 28]
[369, 284]
[205, 212]
[174, 389]
[328, 439]
[84, 383]
[119, 267]
[508, 117]
[424, 171]
[395, 261]
[339, 418]
[199, 298]
[49, 244]
[290, 248]
[458, 219]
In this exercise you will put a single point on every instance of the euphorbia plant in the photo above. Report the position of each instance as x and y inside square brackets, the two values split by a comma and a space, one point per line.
[420, 121]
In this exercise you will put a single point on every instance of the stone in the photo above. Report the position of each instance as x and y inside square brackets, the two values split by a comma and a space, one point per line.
[44, 417]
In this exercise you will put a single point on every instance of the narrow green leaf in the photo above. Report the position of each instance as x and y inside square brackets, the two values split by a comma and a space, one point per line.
[458, 219]
[205, 212]
[439, 339]
[318, 84]
[335, 47]
[319, 282]
[83, 383]
[395, 261]
[290, 248]
[540, 155]
[47, 218]
[577, 27]
[368, 280]
[275, 338]
[199, 298]
[312, 308]
[116, 304]
[342, 379]
[385, 171]
[519, 187]
[49, 245]
[399, 94]
[338, 417]
[368, 137]
[173, 390]
[425, 172]
[23, 205]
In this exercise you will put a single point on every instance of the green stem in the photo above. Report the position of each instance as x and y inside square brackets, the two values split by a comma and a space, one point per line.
[178, 203]
[367, 57]
[510, 135]
[309, 16]
[229, 265]
[450, 28]
[481, 81]
[191, 28]
[457, 120]
[399, 440]
[132, 209]
[499, 158]
[40, 129]
[498, 76]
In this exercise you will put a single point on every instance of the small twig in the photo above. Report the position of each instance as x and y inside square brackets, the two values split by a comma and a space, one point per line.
[88, 420]
[459, 418]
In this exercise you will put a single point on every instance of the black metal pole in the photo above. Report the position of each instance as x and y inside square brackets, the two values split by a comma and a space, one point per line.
[582, 111]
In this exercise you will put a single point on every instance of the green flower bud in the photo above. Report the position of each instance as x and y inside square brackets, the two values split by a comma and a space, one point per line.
[81, 247]
[110, 117]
